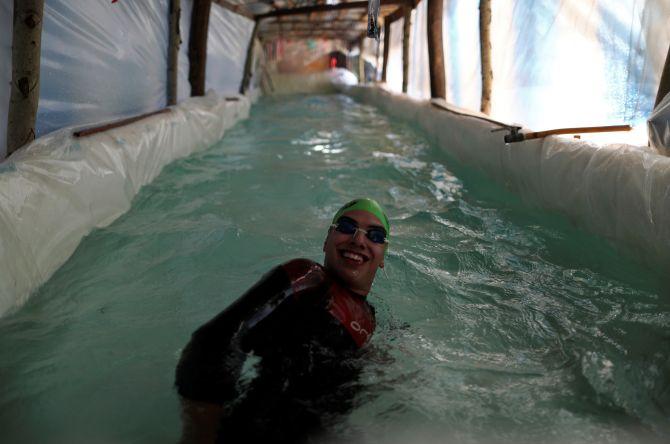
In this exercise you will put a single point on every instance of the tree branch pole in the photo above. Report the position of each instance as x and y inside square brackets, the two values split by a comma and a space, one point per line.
[197, 46]
[246, 78]
[387, 43]
[485, 51]
[174, 40]
[361, 62]
[664, 85]
[25, 87]
[435, 50]
[407, 23]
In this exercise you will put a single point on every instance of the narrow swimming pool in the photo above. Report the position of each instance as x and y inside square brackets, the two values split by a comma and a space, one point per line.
[496, 321]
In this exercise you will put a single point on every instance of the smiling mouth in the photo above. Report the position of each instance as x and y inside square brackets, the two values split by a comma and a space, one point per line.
[354, 257]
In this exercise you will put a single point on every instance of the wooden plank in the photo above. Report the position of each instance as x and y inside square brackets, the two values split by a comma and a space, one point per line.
[25, 86]
[237, 9]
[387, 43]
[119, 123]
[197, 46]
[664, 84]
[303, 10]
[435, 50]
[407, 24]
[485, 53]
[174, 40]
[361, 62]
[246, 78]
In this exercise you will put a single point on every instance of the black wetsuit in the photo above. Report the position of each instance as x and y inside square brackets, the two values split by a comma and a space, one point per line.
[306, 329]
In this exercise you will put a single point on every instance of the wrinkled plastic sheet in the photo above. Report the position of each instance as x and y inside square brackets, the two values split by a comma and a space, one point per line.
[659, 127]
[101, 61]
[555, 63]
[57, 189]
[621, 192]
[227, 44]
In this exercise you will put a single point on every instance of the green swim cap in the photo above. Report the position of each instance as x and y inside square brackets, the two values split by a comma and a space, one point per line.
[369, 205]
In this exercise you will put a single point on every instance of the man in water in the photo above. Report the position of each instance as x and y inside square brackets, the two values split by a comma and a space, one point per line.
[305, 324]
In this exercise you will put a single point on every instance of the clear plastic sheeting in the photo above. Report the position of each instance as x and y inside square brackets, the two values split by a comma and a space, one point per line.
[6, 14]
[57, 189]
[621, 192]
[658, 127]
[576, 62]
[418, 84]
[101, 61]
[555, 63]
[227, 45]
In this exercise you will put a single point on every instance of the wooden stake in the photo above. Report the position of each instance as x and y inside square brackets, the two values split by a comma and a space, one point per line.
[387, 43]
[405, 47]
[485, 52]
[25, 87]
[174, 40]
[246, 78]
[435, 50]
[197, 46]
[664, 85]
[361, 63]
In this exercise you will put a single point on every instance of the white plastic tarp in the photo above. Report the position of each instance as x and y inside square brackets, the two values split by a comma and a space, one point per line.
[418, 84]
[6, 13]
[227, 44]
[394, 64]
[101, 60]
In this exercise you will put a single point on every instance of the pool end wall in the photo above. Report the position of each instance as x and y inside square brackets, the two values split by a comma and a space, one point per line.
[619, 191]
[57, 189]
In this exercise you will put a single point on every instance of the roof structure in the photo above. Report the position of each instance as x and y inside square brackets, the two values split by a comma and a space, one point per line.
[312, 19]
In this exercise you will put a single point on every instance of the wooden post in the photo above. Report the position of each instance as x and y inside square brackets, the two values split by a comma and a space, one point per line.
[377, 62]
[435, 50]
[197, 46]
[25, 94]
[485, 51]
[174, 40]
[246, 78]
[387, 43]
[361, 62]
[405, 46]
[664, 85]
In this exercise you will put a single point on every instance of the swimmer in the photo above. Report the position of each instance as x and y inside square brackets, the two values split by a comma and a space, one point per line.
[305, 324]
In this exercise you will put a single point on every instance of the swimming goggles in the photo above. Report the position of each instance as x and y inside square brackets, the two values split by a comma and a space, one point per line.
[345, 225]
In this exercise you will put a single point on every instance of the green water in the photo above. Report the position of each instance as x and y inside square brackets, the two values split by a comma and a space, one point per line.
[496, 322]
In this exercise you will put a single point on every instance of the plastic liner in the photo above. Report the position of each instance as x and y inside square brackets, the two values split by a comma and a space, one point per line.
[621, 192]
[101, 61]
[57, 189]
[373, 19]
[658, 126]
[314, 83]
[227, 44]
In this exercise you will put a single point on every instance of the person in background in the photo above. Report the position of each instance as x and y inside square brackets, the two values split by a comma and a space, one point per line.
[304, 325]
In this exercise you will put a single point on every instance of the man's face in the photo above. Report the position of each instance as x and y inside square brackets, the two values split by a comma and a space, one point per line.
[354, 259]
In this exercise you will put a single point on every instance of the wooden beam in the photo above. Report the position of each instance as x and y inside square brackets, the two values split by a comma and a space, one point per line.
[485, 52]
[237, 9]
[117, 124]
[664, 84]
[197, 46]
[361, 62]
[174, 40]
[435, 50]
[25, 87]
[407, 23]
[303, 10]
[387, 43]
[246, 78]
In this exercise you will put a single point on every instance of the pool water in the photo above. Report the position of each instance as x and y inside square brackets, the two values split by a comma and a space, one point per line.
[497, 322]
